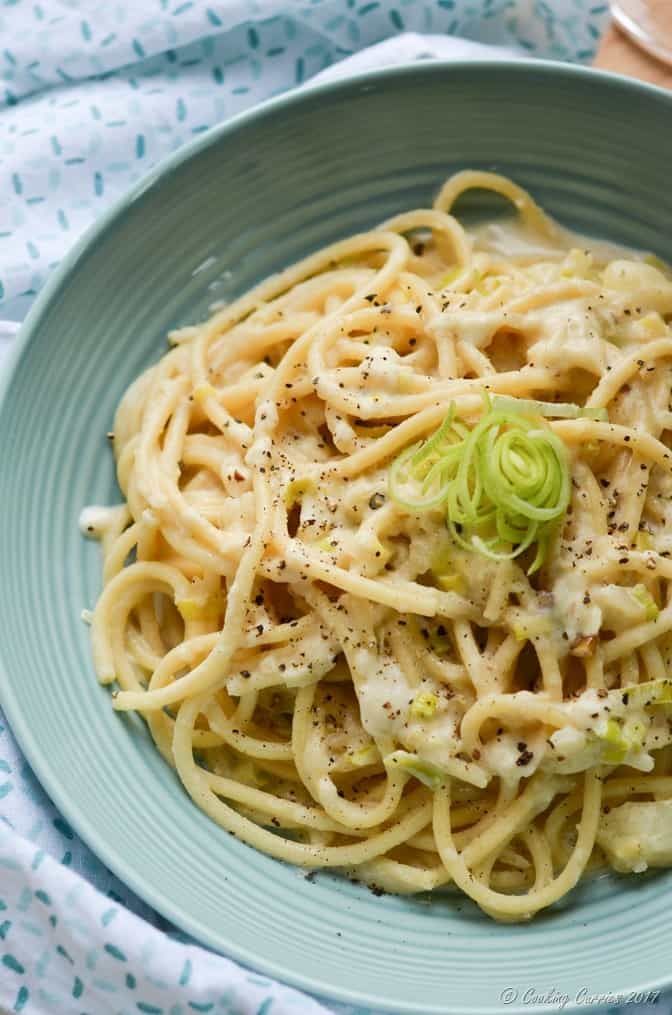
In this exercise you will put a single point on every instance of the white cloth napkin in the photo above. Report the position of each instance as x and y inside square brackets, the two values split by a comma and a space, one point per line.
[65, 947]
[94, 94]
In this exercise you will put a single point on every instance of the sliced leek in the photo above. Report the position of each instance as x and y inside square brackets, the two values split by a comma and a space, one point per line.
[504, 485]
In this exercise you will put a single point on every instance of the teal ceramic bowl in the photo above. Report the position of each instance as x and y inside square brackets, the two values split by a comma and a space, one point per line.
[241, 202]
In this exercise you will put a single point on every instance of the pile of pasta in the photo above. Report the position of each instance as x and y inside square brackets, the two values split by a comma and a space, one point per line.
[346, 668]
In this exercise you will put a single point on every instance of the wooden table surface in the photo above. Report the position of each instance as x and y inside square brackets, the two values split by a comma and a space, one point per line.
[618, 53]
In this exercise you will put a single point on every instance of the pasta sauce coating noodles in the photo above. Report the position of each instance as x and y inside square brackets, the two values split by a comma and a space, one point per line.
[390, 584]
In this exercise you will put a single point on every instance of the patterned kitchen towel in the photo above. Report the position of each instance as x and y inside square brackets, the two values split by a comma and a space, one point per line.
[64, 947]
[92, 95]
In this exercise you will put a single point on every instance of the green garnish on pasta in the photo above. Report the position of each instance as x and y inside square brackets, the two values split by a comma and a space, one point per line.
[504, 484]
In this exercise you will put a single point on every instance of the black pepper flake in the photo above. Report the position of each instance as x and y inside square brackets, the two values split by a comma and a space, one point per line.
[376, 501]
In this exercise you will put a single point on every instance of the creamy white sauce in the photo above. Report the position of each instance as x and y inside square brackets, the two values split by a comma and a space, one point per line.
[434, 740]
[93, 520]
[383, 691]
[574, 616]
[512, 239]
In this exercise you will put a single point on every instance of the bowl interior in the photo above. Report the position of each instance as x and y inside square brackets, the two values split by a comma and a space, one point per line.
[244, 201]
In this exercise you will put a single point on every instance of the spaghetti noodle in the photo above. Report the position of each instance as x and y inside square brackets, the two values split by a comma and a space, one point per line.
[391, 584]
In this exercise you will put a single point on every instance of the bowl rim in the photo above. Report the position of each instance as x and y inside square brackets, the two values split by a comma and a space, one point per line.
[104, 850]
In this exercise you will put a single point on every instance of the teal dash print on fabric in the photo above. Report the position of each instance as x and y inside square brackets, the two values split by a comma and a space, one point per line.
[63, 827]
[77, 988]
[11, 963]
[37, 859]
[42, 963]
[66, 955]
[115, 952]
[107, 985]
[25, 900]
[185, 975]
[21, 999]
